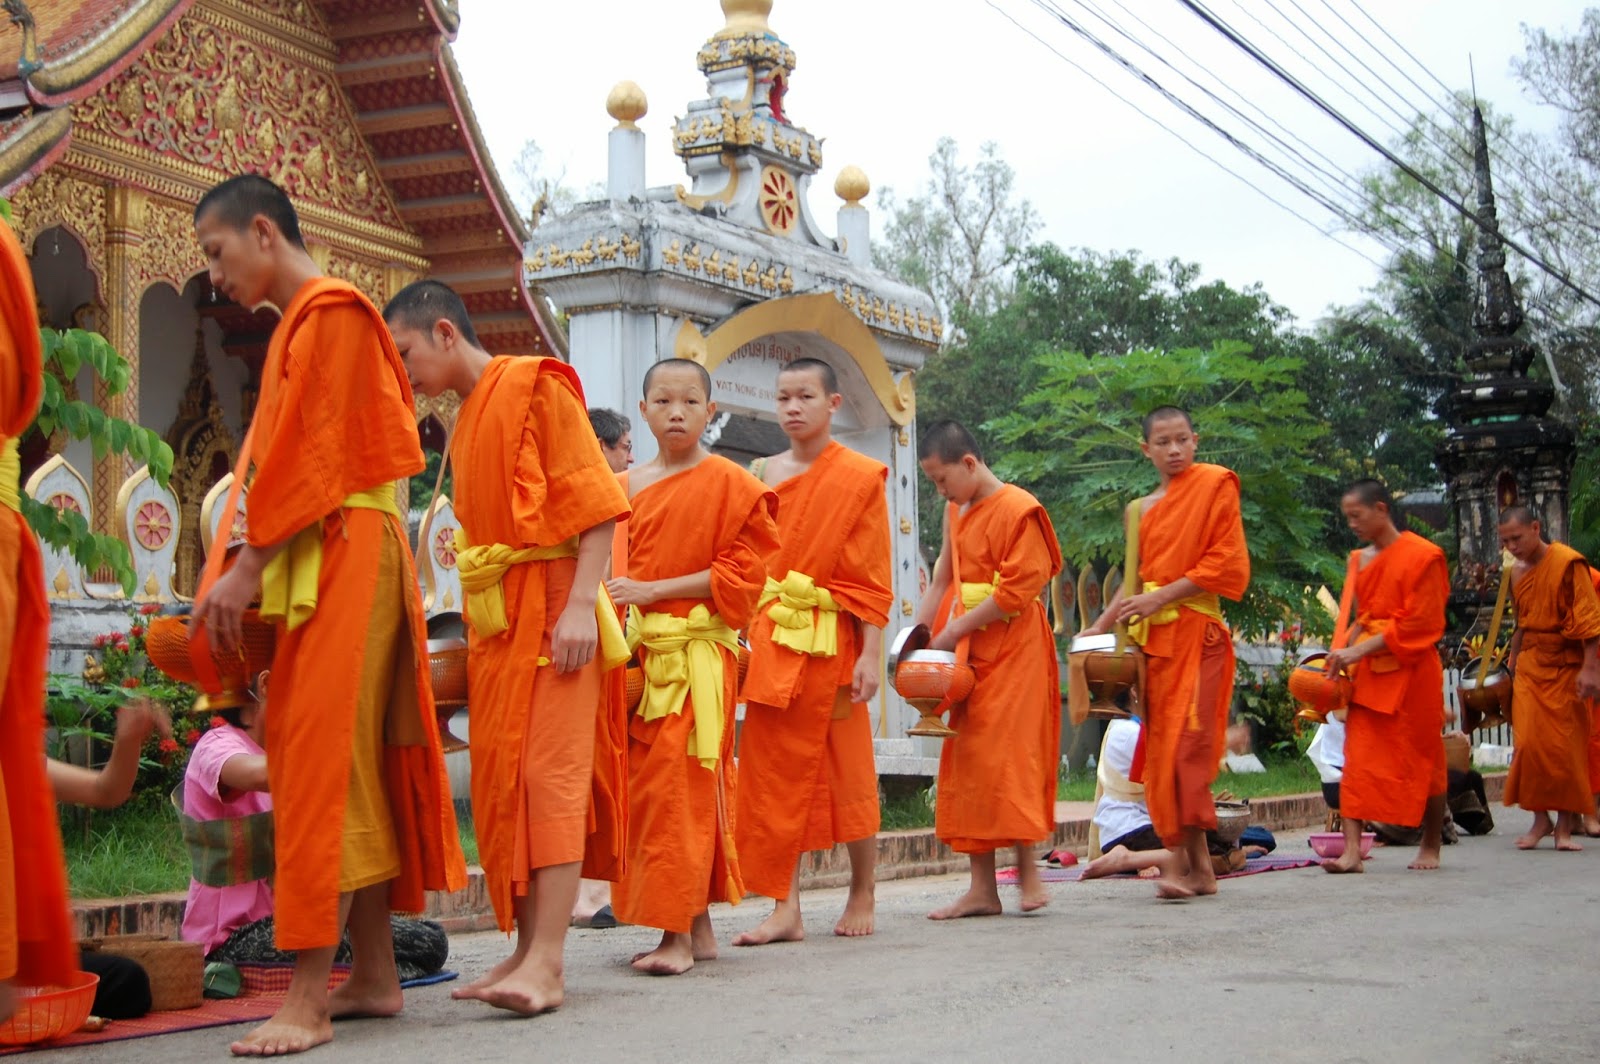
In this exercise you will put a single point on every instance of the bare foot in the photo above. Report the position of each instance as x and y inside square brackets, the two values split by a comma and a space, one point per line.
[673, 957]
[365, 997]
[703, 938]
[1345, 864]
[1031, 884]
[1151, 872]
[1566, 845]
[784, 925]
[972, 903]
[294, 1029]
[1535, 833]
[1427, 860]
[859, 916]
[1115, 861]
[1173, 889]
[532, 988]
[1591, 827]
[472, 991]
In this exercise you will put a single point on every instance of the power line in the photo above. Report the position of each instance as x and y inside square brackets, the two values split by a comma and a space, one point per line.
[1186, 142]
[1229, 33]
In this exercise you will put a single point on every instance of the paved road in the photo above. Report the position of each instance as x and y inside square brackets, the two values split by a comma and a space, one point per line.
[1494, 958]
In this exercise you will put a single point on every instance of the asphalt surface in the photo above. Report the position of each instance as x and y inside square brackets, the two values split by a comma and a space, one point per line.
[1496, 957]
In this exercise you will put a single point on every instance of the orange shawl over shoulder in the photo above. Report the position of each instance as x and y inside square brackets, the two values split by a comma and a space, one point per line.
[1557, 610]
[1394, 748]
[681, 853]
[997, 775]
[529, 473]
[335, 418]
[36, 942]
[807, 778]
[1194, 530]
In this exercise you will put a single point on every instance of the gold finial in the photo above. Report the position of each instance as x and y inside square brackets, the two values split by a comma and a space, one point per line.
[627, 104]
[852, 185]
[745, 17]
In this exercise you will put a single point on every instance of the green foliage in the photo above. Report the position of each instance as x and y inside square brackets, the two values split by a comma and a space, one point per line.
[133, 850]
[65, 353]
[1583, 520]
[1263, 697]
[1074, 441]
[422, 484]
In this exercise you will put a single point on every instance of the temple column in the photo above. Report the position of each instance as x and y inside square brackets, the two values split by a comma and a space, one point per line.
[125, 223]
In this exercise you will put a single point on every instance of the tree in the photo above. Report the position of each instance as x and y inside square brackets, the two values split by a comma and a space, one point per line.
[1074, 442]
[960, 240]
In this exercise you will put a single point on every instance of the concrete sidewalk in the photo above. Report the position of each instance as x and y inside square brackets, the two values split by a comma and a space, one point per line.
[1491, 959]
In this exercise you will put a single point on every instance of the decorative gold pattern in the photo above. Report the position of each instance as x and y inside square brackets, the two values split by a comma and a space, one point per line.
[169, 253]
[779, 202]
[256, 106]
[57, 197]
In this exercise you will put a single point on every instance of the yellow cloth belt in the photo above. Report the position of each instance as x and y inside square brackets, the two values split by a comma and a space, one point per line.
[805, 618]
[1205, 604]
[289, 582]
[683, 663]
[482, 570]
[973, 594]
[10, 475]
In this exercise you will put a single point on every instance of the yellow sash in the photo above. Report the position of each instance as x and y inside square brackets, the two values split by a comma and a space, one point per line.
[805, 618]
[10, 475]
[683, 663]
[1205, 603]
[973, 594]
[289, 582]
[483, 568]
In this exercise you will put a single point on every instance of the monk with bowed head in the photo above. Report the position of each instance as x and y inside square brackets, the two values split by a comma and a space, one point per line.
[694, 569]
[998, 773]
[36, 941]
[1555, 671]
[1192, 554]
[1394, 761]
[361, 806]
[807, 779]
[537, 503]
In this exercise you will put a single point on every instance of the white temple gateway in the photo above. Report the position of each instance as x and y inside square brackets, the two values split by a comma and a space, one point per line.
[735, 273]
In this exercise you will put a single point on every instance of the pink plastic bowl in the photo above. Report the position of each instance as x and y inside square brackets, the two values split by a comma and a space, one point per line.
[1331, 843]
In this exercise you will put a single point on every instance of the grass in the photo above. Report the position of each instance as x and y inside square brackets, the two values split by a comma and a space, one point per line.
[904, 812]
[137, 850]
[1294, 775]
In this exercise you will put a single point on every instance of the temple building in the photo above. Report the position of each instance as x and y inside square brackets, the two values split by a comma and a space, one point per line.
[116, 117]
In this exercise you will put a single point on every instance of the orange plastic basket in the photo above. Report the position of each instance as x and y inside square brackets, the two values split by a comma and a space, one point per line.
[48, 1012]
[172, 648]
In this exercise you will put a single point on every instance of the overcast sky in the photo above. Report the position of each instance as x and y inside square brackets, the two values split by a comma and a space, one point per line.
[882, 80]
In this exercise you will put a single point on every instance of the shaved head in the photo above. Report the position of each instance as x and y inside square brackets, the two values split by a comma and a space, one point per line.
[419, 304]
[1162, 413]
[949, 442]
[1520, 514]
[824, 372]
[1369, 492]
[238, 200]
[678, 363]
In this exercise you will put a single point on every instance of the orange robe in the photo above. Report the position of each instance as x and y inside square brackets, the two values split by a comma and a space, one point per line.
[1594, 717]
[1195, 531]
[36, 946]
[336, 418]
[807, 778]
[681, 852]
[997, 775]
[1394, 744]
[526, 476]
[1556, 611]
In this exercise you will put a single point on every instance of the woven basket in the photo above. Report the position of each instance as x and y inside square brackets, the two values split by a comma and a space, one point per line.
[169, 644]
[447, 661]
[48, 1012]
[176, 968]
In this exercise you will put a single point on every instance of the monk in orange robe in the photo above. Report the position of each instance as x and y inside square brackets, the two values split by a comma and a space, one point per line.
[36, 947]
[1555, 671]
[998, 773]
[537, 504]
[361, 806]
[1394, 767]
[1192, 554]
[807, 779]
[1591, 821]
[699, 530]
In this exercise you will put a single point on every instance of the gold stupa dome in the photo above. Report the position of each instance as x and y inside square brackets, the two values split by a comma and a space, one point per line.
[626, 103]
[852, 185]
[745, 17]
